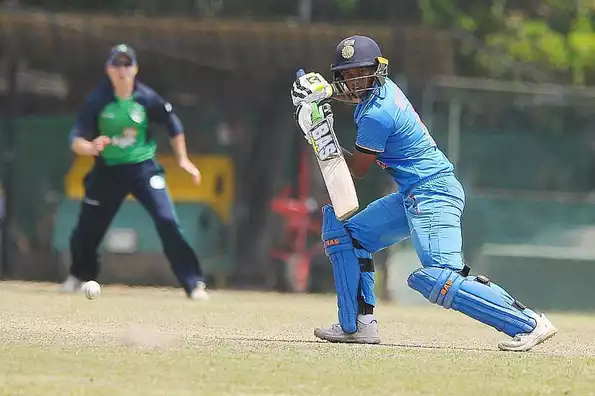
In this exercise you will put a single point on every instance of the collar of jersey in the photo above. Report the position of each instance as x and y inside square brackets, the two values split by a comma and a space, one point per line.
[378, 93]
[131, 98]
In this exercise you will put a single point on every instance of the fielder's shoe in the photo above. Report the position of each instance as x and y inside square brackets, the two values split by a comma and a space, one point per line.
[199, 292]
[525, 341]
[367, 332]
[72, 285]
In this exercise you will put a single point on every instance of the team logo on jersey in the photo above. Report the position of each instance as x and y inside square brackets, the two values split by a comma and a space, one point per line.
[382, 165]
[137, 114]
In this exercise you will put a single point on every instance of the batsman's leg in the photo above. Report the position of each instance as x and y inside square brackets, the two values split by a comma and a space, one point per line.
[435, 215]
[349, 248]
[151, 191]
[103, 197]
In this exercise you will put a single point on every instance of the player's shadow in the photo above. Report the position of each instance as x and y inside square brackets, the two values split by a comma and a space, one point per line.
[383, 345]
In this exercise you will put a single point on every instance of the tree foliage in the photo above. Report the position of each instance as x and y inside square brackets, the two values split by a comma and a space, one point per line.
[552, 36]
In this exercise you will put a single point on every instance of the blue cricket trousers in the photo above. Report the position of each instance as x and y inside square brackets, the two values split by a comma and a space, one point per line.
[430, 214]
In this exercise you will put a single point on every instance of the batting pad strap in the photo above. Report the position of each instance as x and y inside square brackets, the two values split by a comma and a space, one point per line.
[366, 265]
[475, 297]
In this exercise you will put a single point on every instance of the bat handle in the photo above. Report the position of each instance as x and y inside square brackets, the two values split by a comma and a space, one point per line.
[316, 116]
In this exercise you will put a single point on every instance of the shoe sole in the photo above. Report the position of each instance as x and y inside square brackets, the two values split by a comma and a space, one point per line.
[524, 348]
[347, 340]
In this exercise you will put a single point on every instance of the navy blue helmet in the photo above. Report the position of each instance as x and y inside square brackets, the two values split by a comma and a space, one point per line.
[357, 52]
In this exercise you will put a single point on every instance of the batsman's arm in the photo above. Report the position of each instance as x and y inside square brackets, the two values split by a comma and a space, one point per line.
[372, 135]
[358, 162]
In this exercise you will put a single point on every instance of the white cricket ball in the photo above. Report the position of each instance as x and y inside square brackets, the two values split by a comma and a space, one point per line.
[92, 290]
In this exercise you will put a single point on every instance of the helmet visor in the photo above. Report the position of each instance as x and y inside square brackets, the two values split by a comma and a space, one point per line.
[354, 85]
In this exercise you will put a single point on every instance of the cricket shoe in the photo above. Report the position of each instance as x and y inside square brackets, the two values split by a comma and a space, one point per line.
[199, 292]
[367, 333]
[543, 331]
[72, 285]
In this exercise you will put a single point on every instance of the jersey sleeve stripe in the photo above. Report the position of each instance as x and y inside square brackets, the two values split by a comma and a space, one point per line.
[367, 150]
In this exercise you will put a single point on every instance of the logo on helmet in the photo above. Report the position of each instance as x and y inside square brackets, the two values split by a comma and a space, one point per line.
[348, 51]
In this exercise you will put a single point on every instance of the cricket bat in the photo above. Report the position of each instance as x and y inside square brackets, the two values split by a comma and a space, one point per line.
[332, 164]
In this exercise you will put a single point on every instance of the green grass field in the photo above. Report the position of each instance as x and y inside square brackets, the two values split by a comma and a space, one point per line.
[150, 341]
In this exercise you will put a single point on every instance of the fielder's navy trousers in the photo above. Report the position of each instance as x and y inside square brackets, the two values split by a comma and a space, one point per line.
[106, 187]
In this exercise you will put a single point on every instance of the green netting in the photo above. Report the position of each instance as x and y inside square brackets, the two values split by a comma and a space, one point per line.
[524, 221]
[42, 158]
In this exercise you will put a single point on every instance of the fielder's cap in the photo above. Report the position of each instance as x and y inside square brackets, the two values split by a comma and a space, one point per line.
[356, 51]
[122, 55]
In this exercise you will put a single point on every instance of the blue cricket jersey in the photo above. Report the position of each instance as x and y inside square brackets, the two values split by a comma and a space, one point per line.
[389, 127]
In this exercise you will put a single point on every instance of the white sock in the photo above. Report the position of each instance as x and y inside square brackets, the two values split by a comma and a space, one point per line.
[366, 319]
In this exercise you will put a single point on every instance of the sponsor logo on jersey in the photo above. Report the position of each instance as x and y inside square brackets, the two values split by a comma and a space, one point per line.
[127, 139]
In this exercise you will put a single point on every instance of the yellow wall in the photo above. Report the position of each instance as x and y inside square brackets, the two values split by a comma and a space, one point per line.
[216, 170]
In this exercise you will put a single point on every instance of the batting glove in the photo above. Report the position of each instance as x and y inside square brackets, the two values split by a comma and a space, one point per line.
[303, 117]
[310, 88]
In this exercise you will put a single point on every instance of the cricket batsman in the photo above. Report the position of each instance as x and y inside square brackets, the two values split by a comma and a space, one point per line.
[114, 126]
[427, 207]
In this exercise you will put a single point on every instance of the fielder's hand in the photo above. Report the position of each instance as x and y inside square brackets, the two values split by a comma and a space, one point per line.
[99, 143]
[309, 88]
[189, 167]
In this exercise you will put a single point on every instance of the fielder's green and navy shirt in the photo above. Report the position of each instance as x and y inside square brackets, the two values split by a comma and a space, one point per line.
[126, 122]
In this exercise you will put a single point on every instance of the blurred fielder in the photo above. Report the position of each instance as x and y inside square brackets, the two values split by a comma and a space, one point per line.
[427, 207]
[113, 126]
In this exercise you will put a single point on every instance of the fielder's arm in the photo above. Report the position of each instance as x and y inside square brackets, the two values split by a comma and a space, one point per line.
[83, 147]
[84, 137]
[162, 112]
[178, 145]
